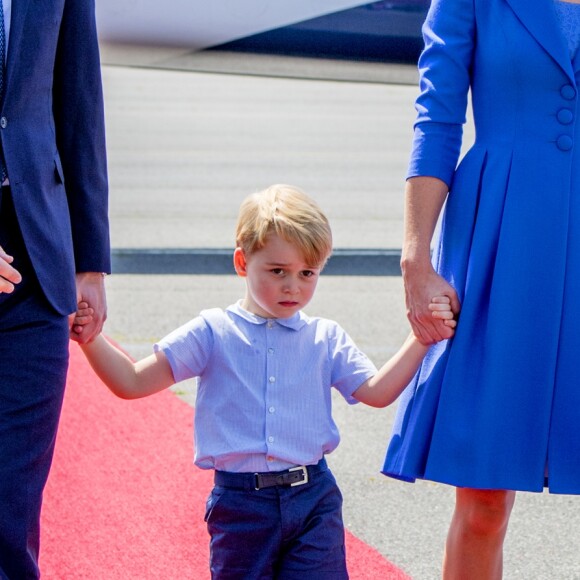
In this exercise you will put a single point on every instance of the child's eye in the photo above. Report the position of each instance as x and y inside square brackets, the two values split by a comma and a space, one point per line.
[307, 273]
[277, 271]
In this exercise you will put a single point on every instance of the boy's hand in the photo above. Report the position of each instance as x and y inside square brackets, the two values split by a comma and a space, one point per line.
[440, 307]
[83, 316]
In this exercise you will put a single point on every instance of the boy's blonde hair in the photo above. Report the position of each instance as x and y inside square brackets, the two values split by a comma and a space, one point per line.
[289, 213]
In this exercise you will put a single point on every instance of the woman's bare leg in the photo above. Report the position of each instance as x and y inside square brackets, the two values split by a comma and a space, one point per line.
[474, 548]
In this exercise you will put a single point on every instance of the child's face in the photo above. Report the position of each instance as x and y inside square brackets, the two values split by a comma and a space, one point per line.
[278, 281]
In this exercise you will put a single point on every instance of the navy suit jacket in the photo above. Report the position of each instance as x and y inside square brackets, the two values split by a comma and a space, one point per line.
[53, 138]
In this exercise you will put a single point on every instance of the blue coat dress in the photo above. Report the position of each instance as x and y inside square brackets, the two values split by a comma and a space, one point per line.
[498, 407]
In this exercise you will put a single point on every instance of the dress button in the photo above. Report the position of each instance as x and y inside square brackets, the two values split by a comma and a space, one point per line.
[272, 379]
[3, 122]
[564, 143]
[565, 116]
[568, 92]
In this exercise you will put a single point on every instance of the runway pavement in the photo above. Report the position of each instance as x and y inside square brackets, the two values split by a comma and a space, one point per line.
[185, 147]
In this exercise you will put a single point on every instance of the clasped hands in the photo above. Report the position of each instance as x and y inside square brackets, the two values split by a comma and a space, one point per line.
[432, 305]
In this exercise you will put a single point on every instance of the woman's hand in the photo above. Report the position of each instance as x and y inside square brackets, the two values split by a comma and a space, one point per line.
[424, 198]
[421, 284]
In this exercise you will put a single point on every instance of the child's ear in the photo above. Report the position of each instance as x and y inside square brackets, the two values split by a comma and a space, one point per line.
[240, 262]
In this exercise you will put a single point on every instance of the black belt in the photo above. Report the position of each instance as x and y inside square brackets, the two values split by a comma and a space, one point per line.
[288, 478]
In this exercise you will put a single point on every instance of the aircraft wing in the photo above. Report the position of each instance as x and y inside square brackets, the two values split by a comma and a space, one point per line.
[199, 24]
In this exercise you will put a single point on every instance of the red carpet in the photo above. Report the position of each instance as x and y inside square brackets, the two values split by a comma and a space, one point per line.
[124, 500]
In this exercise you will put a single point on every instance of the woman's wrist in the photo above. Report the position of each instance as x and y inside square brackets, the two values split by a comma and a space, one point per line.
[412, 262]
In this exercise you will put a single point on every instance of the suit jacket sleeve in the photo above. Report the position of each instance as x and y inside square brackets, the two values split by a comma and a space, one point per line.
[80, 134]
[445, 72]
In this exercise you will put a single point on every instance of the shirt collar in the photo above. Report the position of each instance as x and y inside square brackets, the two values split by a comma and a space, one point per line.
[295, 322]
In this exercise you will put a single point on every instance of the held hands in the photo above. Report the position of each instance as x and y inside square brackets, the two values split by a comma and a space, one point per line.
[394, 376]
[90, 289]
[90, 293]
[8, 275]
[421, 285]
[440, 307]
[83, 316]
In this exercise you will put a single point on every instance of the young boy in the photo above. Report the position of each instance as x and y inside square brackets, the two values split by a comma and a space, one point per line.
[263, 410]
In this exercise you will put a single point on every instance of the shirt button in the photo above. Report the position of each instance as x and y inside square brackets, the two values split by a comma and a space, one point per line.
[271, 439]
[565, 116]
[272, 379]
[568, 92]
[564, 143]
[270, 324]
[272, 409]
[270, 351]
[3, 122]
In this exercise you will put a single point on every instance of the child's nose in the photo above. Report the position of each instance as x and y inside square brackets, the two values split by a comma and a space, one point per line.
[291, 286]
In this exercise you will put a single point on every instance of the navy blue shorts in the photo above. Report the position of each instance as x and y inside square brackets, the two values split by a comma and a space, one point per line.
[283, 532]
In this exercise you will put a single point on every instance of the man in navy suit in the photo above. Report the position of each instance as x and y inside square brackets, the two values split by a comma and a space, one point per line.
[54, 238]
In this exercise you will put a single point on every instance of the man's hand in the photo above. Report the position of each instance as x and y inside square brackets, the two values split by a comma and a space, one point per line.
[90, 290]
[421, 284]
[8, 275]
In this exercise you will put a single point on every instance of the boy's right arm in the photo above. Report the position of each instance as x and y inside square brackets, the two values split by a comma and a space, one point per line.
[124, 377]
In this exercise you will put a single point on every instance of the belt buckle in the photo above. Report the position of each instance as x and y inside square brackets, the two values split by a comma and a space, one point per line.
[305, 473]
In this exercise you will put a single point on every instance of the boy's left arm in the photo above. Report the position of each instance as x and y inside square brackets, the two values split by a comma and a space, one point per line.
[392, 378]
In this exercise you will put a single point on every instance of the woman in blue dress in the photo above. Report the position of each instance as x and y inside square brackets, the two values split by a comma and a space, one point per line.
[496, 409]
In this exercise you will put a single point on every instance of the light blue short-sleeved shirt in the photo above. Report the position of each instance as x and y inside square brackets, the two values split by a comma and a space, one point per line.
[264, 386]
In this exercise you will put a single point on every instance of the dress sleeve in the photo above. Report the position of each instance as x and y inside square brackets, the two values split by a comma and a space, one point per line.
[445, 72]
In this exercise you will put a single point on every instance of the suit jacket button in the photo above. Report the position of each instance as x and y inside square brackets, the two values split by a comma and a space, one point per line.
[3, 122]
[564, 143]
[565, 116]
[568, 92]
